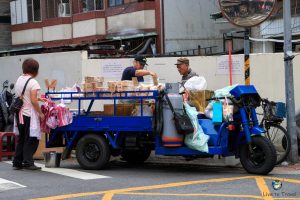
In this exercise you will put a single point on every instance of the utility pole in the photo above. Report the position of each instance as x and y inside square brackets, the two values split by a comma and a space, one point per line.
[289, 81]
[247, 56]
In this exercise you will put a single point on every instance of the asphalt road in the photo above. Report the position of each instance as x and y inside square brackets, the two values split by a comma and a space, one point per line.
[151, 181]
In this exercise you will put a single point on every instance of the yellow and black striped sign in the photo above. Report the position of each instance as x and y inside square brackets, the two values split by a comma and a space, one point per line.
[247, 70]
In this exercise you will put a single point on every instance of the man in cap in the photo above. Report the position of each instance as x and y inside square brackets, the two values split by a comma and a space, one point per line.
[183, 67]
[137, 70]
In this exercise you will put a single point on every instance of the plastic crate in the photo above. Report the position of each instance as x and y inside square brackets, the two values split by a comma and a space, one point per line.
[274, 111]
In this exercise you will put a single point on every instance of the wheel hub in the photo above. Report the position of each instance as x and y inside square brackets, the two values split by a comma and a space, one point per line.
[257, 156]
[91, 152]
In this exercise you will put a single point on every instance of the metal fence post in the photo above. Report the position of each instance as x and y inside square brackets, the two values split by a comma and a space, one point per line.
[289, 81]
[247, 56]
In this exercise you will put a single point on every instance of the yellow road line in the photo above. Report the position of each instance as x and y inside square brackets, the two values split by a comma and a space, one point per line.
[108, 196]
[292, 198]
[109, 193]
[284, 179]
[265, 192]
[192, 195]
[161, 186]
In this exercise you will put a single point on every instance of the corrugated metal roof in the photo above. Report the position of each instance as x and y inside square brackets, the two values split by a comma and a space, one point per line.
[275, 28]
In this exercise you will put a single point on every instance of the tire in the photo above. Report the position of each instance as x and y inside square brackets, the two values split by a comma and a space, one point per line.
[136, 156]
[281, 141]
[263, 160]
[92, 152]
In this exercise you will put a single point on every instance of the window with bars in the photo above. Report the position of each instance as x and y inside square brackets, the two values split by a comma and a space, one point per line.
[34, 10]
[113, 3]
[90, 5]
[57, 8]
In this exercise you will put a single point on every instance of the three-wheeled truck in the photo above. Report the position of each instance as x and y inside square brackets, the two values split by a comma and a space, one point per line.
[96, 138]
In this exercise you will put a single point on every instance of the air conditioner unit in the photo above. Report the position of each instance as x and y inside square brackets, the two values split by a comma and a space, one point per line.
[64, 10]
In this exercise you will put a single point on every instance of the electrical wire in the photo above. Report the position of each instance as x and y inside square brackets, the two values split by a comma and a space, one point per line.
[270, 40]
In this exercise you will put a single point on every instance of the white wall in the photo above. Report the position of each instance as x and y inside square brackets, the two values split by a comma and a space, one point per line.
[57, 32]
[188, 24]
[89, 27]
[27, 36]
[267, 71]
[65, 67]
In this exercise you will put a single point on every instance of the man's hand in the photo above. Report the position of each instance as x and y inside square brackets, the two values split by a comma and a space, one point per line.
[153, 74]
[42, 99]
[186, 95]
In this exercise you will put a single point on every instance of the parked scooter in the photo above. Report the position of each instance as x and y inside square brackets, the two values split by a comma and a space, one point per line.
[6, 98]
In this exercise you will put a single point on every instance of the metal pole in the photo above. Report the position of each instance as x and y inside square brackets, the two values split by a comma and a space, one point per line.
[247, 56]
[229, 43]
[289, 81]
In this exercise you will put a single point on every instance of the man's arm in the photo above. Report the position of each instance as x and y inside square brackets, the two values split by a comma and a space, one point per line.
[144, 73]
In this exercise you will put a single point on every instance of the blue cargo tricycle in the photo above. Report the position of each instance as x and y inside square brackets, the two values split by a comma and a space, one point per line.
[96, 137]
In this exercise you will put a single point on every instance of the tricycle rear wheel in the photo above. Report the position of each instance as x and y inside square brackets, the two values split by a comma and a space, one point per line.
[259, 157]
[136, 156]
[92, 152]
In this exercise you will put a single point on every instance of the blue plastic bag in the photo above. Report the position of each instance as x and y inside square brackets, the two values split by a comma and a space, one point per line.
[217, 113]
[197, 140]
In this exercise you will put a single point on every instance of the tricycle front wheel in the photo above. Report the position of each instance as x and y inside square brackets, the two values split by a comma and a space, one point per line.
[259, 157]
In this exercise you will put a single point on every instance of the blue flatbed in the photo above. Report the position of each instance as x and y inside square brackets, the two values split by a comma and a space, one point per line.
[115, 127]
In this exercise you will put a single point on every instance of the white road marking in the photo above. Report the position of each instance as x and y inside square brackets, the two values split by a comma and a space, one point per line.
[9, 185]
[69, 172]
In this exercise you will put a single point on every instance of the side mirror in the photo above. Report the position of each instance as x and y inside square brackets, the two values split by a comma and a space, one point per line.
[11, 86]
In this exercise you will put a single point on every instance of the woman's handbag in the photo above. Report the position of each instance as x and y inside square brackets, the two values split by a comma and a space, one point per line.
[17, 102]
[182, 121]
[227, 111]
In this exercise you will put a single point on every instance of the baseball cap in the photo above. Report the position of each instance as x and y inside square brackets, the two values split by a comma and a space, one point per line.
[182, 61]
[141, 59]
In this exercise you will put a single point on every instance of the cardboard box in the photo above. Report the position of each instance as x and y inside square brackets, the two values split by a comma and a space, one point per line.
[42, 148]
[87, 87]
[198, 99]
[112, 86]
[97, 84]
[121, 109]
[127, 83]
[90, 79]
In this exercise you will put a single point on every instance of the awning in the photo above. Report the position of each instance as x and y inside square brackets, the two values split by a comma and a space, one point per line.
[16, 49]
[126, 37]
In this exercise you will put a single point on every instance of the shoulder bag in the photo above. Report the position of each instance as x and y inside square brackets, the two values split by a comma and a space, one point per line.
[17, 103]
[182, 121]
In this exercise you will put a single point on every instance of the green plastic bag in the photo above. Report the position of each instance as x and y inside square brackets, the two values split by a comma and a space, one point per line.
[197, 140]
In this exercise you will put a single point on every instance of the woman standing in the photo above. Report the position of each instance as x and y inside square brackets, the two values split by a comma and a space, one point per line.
[27, 121]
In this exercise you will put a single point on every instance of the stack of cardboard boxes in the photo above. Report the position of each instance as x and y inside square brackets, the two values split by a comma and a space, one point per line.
[93, 84]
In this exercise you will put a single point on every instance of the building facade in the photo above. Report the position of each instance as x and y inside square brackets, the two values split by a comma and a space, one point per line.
[117, 26]
[274, 29]
[5, 32]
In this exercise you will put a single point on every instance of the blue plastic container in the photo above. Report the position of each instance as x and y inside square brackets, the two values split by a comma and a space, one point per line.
[280, 110]
[240, 90]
